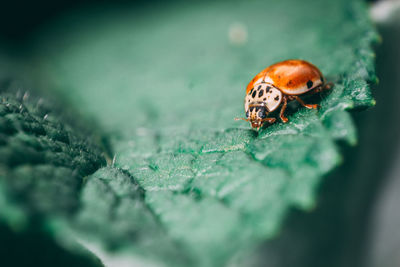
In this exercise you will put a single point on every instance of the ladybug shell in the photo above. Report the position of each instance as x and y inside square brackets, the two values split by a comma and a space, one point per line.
[292, 77]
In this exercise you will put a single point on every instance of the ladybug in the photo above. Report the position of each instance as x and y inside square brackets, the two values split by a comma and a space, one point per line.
[278, 84]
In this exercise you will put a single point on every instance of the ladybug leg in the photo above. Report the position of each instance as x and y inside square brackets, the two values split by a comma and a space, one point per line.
[309, 106]
[321, 88]
[269, 120]
[327, 86]
[282, 112]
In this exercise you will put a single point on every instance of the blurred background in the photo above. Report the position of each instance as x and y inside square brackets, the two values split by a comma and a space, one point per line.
[358, 218]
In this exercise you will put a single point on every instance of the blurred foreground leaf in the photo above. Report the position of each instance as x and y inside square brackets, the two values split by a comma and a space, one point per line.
[187, 185]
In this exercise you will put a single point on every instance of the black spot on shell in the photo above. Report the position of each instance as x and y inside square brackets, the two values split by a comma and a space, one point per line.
[260, 94]
[264, 98]
[251, 109]
[276, 98]
[251, 91]
[254, 94]
[247, 114]
[259, 87]
[267, 89]
[309, 84]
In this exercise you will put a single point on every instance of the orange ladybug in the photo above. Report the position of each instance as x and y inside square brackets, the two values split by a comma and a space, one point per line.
[276, 85]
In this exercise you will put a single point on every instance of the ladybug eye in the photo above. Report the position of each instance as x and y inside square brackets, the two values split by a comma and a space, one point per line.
[261, 112]
[247, 114]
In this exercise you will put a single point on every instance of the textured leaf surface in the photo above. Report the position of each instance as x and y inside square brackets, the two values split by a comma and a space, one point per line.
[43, 162]
[164, 84]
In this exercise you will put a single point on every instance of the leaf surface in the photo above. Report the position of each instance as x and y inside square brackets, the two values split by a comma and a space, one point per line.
[164, 84]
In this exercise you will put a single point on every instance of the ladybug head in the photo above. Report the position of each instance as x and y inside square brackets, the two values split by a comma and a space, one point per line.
[256, 115]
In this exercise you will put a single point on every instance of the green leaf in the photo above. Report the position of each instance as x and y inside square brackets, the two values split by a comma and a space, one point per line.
[187, 184]
[41, 170]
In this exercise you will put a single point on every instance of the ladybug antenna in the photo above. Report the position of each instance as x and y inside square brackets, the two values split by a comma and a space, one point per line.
[244, 119]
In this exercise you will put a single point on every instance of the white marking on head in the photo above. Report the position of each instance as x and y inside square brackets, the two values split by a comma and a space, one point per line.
[274, 99]
[265, 93]
[261, 100]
